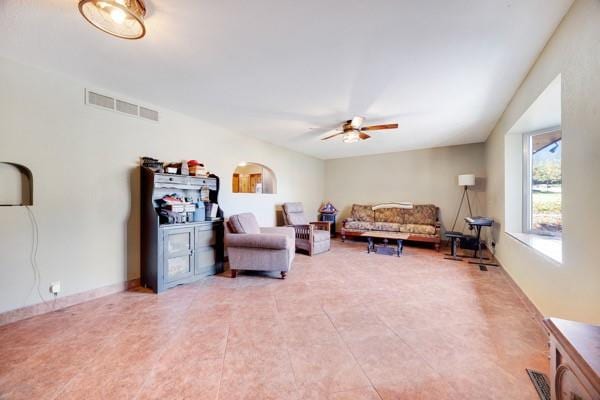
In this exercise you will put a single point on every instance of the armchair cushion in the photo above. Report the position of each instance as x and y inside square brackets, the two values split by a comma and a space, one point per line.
[244, 223]
[259, 241]
[280, 230]
[294, 213]
[321, 236]
[295, 207]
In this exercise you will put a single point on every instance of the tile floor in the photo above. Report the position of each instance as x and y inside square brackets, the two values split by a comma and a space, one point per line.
[343, 325]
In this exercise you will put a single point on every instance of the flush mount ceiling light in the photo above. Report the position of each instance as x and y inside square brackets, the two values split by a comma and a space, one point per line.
[120, 18]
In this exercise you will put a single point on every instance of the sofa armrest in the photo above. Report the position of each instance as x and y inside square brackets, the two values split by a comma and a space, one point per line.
[258, 241]
[321, 225]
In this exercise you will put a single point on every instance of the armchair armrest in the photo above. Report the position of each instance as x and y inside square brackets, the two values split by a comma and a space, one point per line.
[321, 225]
[258, 240]
[303, 232]
[279, 230]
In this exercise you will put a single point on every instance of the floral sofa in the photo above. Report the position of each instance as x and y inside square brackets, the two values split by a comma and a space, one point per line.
[419, 221]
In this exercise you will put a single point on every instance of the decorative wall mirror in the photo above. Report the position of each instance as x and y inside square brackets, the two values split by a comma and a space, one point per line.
[253, 178]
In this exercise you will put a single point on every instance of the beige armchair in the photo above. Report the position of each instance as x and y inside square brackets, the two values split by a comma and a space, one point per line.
[312, 237]
[252, 248]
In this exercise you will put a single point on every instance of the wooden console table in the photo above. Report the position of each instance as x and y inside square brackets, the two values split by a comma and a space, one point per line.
[574, 360]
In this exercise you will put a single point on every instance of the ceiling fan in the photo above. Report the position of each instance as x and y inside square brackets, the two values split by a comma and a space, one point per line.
[353, 131]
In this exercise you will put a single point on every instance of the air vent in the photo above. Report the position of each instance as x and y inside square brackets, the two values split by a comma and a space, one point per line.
[148, 113]
[121, 106]
[99, 100]
[127, 108]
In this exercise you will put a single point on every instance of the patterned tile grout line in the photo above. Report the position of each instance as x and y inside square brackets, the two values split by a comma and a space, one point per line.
[351, 353]
[164, 348]
[89, 362]
[223, 364]
[287, 350]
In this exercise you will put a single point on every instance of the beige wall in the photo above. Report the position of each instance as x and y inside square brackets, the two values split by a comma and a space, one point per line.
[86, 187]
[571, 289]
[420, 176]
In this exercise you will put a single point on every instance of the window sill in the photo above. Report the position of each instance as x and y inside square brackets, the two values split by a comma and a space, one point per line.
[548, 246]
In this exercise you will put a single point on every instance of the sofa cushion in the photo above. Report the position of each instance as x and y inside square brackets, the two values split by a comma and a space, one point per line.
[418, 228]
[362, 213]
[244, 223]
[359, 225]
[386, 226]
[321, 236]
[423, 214]
[394, 215]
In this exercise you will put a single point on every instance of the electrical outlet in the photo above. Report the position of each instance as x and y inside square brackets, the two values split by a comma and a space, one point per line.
[55, 288]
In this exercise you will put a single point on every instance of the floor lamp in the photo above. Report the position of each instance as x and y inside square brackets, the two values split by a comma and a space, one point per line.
[464, 181]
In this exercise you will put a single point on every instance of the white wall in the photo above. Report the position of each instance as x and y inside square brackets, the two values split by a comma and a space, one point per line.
[86, 187]
[421, 176]
[571, 289]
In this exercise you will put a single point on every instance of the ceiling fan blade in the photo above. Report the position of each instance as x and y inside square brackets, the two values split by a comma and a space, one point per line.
[379, 127]
[332, 136]
[363, 136]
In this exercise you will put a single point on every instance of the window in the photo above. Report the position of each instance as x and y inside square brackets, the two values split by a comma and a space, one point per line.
[542, 183]
[533, 175]
[253, 178]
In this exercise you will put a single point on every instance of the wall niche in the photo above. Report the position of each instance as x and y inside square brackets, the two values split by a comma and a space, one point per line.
[16, 185]
[253, 178]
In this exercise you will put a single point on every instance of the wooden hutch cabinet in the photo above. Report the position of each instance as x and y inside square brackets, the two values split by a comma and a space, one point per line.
[178, 253]
[574, 360]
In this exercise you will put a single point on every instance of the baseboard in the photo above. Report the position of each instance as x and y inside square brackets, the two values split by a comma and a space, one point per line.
[67, 301]
[529, 305]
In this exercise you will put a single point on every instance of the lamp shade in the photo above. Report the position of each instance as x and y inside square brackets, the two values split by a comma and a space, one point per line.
[466, 180]
[121, 18]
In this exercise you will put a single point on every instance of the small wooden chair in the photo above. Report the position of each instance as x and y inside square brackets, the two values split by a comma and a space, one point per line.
[312, 237]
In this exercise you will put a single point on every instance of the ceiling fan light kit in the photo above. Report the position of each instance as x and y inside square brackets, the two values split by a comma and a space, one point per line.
[351, 137]
[120, 18]
[357, 122]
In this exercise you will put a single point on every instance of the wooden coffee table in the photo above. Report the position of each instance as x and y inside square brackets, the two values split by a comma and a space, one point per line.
[386, 236]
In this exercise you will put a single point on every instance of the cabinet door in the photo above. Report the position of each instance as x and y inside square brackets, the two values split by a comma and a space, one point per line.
[204, 248]
[178, 254]
[568, 385]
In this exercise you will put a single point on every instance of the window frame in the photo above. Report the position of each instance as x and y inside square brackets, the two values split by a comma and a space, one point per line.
[527, 211]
